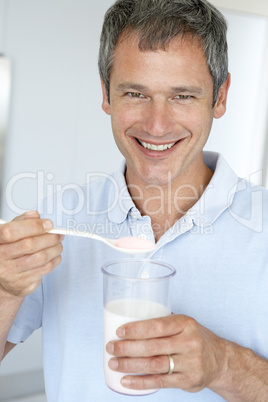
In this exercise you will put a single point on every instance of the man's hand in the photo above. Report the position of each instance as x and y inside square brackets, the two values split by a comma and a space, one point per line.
[27, 253]
[202, 359]
[198, 354]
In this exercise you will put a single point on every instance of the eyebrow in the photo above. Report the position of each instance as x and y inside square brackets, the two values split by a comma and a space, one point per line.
[124, 86]
[189, 89]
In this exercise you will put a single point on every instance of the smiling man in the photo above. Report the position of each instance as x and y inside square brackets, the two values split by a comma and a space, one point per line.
[164, 77]
[161, 121]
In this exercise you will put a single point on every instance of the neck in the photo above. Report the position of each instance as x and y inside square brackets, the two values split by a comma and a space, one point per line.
[167, 203]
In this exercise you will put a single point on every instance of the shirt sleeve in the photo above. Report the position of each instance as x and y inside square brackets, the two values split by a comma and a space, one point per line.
[29, 317]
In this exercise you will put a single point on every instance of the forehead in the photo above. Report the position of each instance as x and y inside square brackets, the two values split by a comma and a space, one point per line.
[183, 58]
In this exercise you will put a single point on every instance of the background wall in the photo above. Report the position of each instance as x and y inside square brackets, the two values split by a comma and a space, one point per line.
[254, 7]
[58, 132]
[241, 135]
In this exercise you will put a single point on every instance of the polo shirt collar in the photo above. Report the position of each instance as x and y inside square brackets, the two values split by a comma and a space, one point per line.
[119, 200]
[219, 194]
[217, 197]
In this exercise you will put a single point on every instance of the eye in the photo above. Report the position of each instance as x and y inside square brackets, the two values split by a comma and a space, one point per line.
[183, 97]
[135, 95]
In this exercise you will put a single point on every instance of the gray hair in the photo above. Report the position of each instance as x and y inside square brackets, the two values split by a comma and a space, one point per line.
[157, 22]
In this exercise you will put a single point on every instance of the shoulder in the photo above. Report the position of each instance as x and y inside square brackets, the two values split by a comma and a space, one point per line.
[73, 200]
[250, 206]
[248, 193]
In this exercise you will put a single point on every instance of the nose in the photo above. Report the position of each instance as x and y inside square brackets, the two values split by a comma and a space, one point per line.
[158, 120]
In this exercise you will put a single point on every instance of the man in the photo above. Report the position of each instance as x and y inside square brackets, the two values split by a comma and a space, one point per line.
[164, 76]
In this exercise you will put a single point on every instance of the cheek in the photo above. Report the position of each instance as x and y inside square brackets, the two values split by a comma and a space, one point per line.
[124, 120]
[198, 124]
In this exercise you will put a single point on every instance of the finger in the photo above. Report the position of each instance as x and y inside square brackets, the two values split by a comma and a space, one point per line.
[27, 215]
[29, 245]
[39, 272]
[154, 328]
[143, 348]
[154, 365]
[38, 259]
[22, 273]
[19, 229]
[157, 381]
[151, 365]
[27, 282]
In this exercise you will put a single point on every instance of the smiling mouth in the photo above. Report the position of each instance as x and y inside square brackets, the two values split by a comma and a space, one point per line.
[153, 147]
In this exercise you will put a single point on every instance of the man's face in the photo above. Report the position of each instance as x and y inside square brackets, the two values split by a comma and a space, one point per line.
[161, 109]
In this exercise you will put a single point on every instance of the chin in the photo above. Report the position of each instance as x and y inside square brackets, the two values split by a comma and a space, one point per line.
[151, 174]
[160, 175]
[156, 180]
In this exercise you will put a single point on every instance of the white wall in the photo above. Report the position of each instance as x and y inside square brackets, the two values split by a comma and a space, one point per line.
[240, 135]
[56, 122]
[254, 7]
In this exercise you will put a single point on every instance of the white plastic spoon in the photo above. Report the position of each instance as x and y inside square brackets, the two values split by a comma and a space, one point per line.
[128, 245]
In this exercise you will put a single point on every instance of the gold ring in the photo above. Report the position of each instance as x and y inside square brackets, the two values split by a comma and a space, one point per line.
[171, 365]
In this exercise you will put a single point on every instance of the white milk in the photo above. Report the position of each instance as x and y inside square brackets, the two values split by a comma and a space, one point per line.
[117, 313]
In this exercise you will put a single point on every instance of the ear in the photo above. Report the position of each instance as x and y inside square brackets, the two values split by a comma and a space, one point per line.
[220, 106]
[105, 102]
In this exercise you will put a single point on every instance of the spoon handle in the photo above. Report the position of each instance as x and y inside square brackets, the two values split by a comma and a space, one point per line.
[115, 244]
[62, 231]
[73, 232]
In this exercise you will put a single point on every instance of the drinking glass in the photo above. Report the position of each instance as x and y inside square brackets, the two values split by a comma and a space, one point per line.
[133, 290]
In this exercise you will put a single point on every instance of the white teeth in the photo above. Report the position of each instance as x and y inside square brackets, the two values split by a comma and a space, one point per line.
[153, 147]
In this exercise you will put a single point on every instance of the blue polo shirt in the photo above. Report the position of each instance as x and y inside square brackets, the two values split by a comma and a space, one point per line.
[219, 249]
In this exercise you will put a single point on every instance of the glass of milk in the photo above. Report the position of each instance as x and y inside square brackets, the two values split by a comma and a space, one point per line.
[133, 290]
